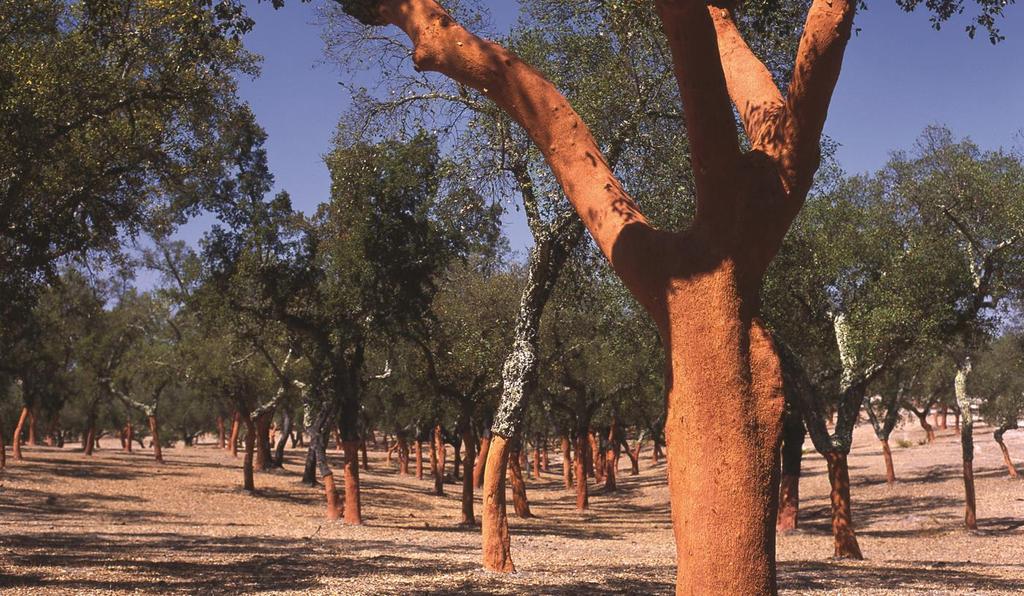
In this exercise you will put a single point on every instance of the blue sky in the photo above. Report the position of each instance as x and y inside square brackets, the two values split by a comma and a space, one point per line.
[899, 75]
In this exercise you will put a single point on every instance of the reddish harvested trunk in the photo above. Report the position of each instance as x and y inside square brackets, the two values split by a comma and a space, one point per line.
[130, 436]
[481, 464]
[333, 510]
[16, 439]
[468, 518]
[390, 451]
[970, 503]
[890, 471]
[789, 503]
[536, 461]
[437, 460]
[793, 434]
[90, 439]
[519, 501]
[582, 490]
[524, 464]
[845, 538]
[611, 463]
[154, 428]
[1010, 468]
[353, 507]
[497, 553]
[595, 467]
[248, 481]
[567, 463]
[418, 454]
[236, 424]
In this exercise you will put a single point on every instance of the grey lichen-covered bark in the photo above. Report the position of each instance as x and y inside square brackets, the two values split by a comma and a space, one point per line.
[963, 369]
[318, 413]
[519, 373]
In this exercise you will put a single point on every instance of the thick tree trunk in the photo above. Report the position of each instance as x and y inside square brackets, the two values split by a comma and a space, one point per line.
[353, 507]
[582, 489]
[468, 518]
[236, 424]
[966, 442]
[262, 425]
[154, 429]
[567, 462]
[497, 553]
[249, 482]
[845, 538]
[519, 501]
[16, 439]
[481, 464]
[890, 471]
[793, 434]
[309, 468]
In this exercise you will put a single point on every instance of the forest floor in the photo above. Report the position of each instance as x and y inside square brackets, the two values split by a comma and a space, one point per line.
[119, 523]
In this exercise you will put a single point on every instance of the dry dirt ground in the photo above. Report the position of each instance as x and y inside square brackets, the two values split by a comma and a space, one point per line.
[118, 523]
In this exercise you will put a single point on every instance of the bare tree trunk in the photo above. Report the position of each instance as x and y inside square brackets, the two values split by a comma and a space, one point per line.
[16, 439]
[249, 482]
[90, 438]
[567, 462]
[32, 428]
[353, 507]
[481, 464]
[1010, 468]
[943, 414]
[235, 429]
[365, 458]
[262, 427]
[130, 435]
[536, 459]
[497, 551]
[154, 428]
[545, 462]
[221, 439]
[845, 538]
[403, 456]
[418, 454]
[793, 434]
[966, 442]
[282, 442]
[437, 460]
[582, 490]
[519, 500]
[890, 471]
[468, 518]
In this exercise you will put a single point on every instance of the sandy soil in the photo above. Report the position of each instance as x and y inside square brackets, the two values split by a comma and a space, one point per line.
[118, 523]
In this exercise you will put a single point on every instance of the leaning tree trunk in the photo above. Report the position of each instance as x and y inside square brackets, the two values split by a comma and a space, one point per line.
[481, 464]
[154, 429]
[16, 439]
[845, 538]
[929, 430]
[282, 442]
[793, 433]
[998, 435]
[890, 471]
[966, 442]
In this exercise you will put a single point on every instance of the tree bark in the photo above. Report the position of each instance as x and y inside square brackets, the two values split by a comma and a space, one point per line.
[468, 518]
[582, 489]
[418, 454]
[793, 434]
[497, 552]
[353, 507]
[567, 463]
[32, 440]
[998, 435]
[262, 427]
[131, 435]
[403, 456]
[236, 423]
[16, 439]
[519, 501]
[890, 471]
[221, 439]
[536, 460]
[331, 493]
[929, 431]
[845, 538]
[545, 462]
[249, 482]
[437, 460]
[481, 464]
[966, 442]
[154, 428]
[364, 456]
[90, 438]
[282, 441]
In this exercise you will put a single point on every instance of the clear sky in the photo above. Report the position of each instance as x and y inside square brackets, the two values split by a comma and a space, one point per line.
[899, 75]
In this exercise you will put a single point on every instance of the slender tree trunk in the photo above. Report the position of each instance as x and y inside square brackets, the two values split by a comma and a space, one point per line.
[437, 460]
[611, 461]
[282, 441]
[249, 483]
[131, 435]
[890, 471]
[90, 438]
[567, 463]
[418, 454]
[365, 458]
[536, 460]
[468, 518]
[582, 490]
[353, 507]
[331, 493]
[390, 452]
[497, 553]
[262, 424]
[221, 439]
[929, 431]
[403, 456]
[966, 442]
[793, 434]
[545, 462]
[596, 459]
[457, 458]
[634, 457]
[845, 538]
[309, 468]
[235, 429]
[482, 459]
[32, 428]
[154, 428]
[519, 501]
[943, 422]
[16, 439]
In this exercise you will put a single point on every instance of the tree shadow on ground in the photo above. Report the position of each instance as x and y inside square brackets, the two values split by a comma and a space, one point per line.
[928, 577]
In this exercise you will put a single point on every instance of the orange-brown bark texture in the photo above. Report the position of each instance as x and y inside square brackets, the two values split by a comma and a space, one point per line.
[353, 507]
[702, 285]
[497, 547]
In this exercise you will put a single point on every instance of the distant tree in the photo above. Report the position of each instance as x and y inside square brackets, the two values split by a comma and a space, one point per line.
[998, 380]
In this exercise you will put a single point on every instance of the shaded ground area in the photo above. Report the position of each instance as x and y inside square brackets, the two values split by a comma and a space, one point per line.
[119, 523]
